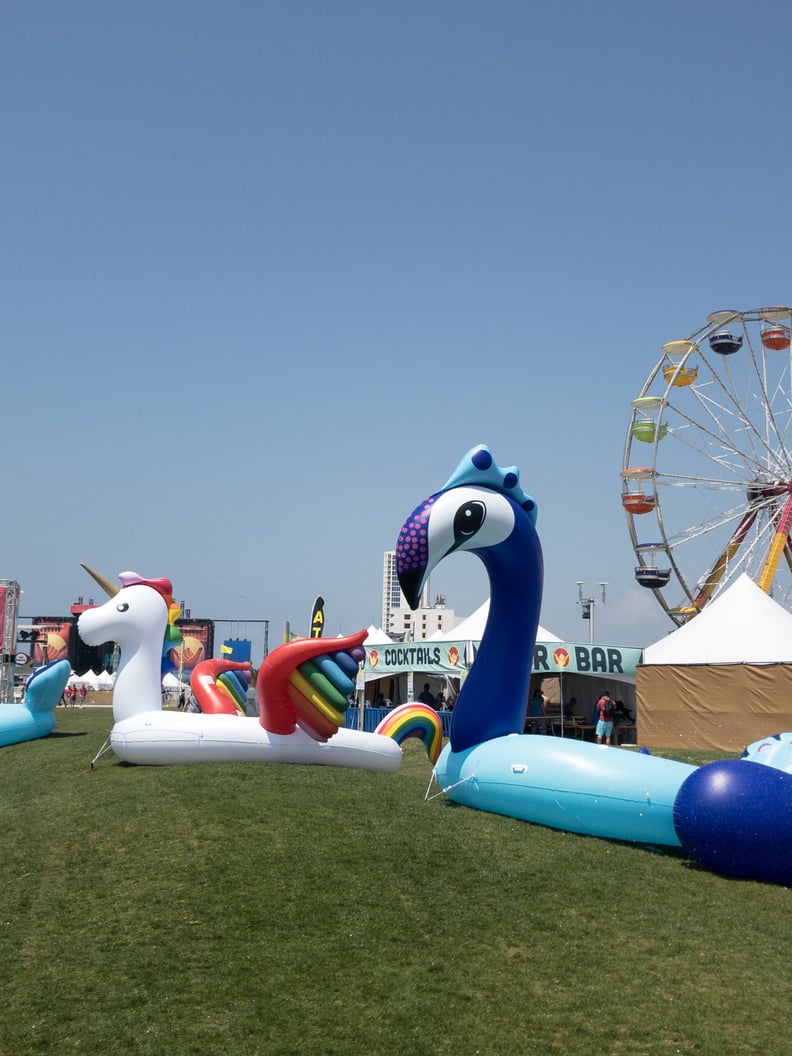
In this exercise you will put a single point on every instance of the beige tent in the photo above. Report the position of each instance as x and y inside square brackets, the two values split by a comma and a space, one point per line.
[721, 681]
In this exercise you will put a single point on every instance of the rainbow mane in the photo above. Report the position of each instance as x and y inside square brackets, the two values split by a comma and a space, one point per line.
[415, 720]
[173, 636]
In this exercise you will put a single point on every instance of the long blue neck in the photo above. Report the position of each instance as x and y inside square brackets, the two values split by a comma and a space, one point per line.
[494, 696]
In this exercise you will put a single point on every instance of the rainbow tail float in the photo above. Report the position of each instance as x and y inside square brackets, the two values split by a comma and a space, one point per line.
[415, 720]
[220, 686]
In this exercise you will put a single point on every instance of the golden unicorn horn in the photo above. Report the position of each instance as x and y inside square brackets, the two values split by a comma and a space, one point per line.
[109, 588]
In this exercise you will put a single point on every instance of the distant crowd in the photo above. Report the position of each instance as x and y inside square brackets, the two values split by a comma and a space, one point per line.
[73, 695]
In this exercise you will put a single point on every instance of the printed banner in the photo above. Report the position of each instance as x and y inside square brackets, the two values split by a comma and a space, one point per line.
[550, 658]
[447, 658]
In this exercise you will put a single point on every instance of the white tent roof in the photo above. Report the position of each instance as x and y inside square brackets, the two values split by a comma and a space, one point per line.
[376, 636]
[171, 681]
[471, 629]
[88, 679]
[743, 625]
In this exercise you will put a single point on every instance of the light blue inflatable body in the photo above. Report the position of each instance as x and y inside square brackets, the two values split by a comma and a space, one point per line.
[568, 784]
[35, 716]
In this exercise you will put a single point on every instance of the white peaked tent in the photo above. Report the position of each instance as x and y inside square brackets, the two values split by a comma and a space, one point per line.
[471, 629]
[89, 680]
[743, 625]
[584, 688]
[559, 684]
[172, 686]
[722, 680]
[105, 680]
[376, 636]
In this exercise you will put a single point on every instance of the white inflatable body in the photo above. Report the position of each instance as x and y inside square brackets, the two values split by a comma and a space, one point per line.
[163, 738]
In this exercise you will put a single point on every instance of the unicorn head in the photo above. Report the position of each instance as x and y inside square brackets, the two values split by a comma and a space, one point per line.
[136, 617]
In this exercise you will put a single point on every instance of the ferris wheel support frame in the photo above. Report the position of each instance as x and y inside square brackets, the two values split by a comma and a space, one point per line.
[779, 544]
[715, 575]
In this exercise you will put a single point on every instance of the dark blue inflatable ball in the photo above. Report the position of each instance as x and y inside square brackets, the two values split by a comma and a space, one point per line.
[735, 817]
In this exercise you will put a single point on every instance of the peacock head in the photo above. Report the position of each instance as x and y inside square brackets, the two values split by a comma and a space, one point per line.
[476, 509]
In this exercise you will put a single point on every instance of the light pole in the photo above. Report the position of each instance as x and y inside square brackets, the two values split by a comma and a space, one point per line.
[588, 605]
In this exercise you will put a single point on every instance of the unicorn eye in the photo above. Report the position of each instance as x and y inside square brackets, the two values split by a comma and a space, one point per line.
[123, 606]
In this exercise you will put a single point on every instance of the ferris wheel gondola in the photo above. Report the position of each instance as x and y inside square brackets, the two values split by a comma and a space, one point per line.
[707, 469]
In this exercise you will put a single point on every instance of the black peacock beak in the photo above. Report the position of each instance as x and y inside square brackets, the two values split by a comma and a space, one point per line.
[411, 584]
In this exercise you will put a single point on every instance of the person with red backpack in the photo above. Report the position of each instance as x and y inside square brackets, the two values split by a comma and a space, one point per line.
[605, 709]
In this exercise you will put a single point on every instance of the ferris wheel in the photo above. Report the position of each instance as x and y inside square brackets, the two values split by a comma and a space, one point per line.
[707, 470]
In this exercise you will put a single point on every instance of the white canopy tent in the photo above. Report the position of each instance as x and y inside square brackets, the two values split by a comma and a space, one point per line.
[171, 684]
[89, 680]
[584, 687]
[722, 680]
[471, 629]
[376, 636]
[566, 671]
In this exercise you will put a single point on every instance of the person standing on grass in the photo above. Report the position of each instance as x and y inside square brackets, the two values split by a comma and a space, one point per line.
[605, 709]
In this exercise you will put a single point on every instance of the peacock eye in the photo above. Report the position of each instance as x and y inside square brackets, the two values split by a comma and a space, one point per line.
[469, 518]
[123, 606]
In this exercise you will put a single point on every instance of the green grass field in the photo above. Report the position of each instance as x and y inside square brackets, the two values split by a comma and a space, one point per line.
[244, 909]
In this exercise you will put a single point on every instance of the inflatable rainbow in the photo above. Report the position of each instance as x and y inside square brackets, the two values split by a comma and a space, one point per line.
[415, 720]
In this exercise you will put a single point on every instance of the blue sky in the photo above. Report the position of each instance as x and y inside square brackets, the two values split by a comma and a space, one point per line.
[269, 269]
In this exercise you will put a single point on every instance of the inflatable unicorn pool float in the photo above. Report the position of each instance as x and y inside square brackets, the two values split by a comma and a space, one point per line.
[302, 690]
[734, 816]
[34, 716]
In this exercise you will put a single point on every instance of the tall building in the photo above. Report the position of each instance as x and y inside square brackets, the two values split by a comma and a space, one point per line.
[392, 597]
[399, 621]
